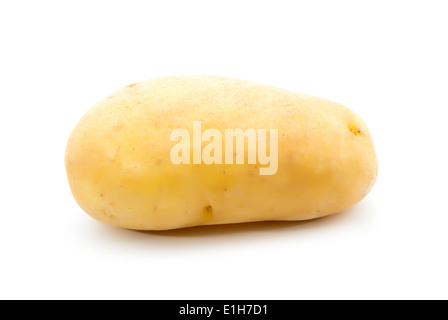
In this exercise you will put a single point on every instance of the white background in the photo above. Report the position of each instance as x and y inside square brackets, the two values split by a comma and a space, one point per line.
[387, 60]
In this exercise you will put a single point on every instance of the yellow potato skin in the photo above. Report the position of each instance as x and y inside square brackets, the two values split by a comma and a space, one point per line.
[119, 169]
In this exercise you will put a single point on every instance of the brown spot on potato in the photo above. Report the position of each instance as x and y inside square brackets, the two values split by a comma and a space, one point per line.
[354, 129]
[108, 215]
[208, 211]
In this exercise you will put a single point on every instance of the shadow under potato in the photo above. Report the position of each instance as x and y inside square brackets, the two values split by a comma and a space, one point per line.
[246, 227]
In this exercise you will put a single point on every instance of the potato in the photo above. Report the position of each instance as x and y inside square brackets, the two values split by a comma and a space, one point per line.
[161, 155]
